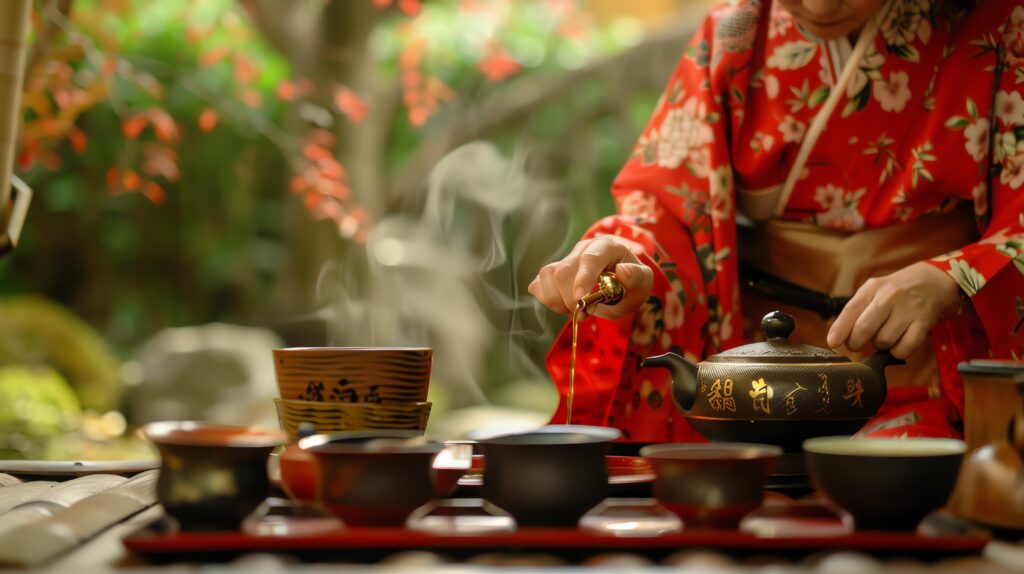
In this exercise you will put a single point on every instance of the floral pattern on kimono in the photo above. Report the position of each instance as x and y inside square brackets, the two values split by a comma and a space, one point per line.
[929, 115]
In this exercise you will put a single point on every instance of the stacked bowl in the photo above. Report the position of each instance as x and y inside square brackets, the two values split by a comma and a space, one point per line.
[352, 388]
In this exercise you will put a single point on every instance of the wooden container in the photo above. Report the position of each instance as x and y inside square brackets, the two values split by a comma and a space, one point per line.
[336, 417]
[353, 374]
[990, 489]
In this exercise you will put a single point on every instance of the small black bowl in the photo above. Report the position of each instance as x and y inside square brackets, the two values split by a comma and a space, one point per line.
[550, 476]
[211, 476]
[885, 484]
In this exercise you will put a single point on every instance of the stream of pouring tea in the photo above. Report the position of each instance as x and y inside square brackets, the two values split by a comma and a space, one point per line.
[572, 361]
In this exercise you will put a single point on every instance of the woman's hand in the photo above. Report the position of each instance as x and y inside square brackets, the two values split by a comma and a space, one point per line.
[896, 311]
[560, 285]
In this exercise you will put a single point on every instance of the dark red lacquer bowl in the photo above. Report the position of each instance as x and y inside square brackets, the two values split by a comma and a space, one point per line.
[711, 484]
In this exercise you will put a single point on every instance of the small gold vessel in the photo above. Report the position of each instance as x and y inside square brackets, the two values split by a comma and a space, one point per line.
[609, 292]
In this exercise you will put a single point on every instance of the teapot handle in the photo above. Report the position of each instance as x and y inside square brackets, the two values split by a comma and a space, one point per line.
[877, 362]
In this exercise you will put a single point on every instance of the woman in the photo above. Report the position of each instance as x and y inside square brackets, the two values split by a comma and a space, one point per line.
[879, 144]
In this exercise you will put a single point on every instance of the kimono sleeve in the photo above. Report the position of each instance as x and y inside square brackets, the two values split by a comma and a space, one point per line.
[991, 271]
[666, 208]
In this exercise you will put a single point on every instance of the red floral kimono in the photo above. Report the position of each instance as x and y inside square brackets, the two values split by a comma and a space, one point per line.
[923, 114]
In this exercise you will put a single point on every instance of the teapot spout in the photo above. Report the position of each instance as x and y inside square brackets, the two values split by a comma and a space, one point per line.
[684, 377]
[877, 362]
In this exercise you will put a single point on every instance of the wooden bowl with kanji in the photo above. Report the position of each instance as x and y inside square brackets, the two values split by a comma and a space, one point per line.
[339, 417]
[353, 374]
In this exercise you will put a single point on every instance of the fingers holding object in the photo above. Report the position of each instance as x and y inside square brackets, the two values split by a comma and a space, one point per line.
[843, 325]
[912, 338]
[545, 289]
[600, 254]
[869, 322]
[637, 279]
[560, 285]
[564, 274]
[547, 286]
[892, 330]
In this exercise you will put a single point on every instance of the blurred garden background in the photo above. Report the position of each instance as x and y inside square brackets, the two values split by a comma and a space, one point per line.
[216, 178]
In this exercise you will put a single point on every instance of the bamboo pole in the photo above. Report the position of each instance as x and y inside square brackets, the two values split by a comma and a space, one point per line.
[14, 18]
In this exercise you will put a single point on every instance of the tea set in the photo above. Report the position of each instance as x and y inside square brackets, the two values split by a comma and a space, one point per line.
[371, 466]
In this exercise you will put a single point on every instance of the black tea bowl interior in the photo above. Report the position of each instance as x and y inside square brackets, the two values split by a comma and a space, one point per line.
[550, 476]
[885, 483]
[211, 476]
[373, 478]
[711, 484]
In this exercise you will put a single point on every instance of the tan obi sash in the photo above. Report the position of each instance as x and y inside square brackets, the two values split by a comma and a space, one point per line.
[837, 263]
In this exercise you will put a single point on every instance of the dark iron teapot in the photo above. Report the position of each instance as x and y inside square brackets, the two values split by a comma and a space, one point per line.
[777, 391]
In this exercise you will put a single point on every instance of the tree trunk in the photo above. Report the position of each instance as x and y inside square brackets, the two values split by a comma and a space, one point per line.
[325, 43]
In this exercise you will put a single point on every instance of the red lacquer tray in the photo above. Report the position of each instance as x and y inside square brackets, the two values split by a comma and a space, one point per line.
[794, 528]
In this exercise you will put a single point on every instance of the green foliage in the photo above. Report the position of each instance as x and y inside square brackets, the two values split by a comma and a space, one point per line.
[214, 247]
[35, 403]
[532, 33]
[42, 337]
[131, 263]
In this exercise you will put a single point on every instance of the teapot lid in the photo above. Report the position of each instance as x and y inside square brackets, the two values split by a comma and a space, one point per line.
[777, 326]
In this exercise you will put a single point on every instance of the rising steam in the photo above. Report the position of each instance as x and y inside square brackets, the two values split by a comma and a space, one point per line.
[453, 275]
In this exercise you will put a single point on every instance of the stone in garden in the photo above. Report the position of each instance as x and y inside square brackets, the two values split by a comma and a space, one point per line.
[216, 372]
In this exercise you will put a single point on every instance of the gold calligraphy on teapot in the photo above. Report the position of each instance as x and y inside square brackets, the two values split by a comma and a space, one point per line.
[720, 396]
[761, 393]
[854, 390]
[824, 395]
[791, 399]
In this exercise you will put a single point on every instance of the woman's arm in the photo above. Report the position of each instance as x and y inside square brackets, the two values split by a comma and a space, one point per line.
[898, 310]
[671, 241]
[675, 194]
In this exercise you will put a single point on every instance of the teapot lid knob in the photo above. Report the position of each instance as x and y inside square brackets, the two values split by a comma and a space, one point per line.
[777, 325]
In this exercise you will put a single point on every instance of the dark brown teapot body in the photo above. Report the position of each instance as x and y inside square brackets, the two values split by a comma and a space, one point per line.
[776, 391]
